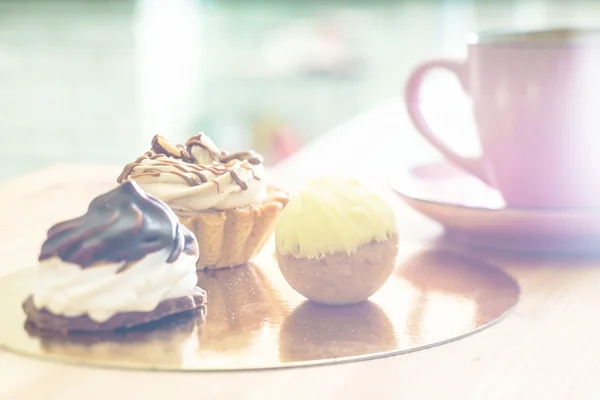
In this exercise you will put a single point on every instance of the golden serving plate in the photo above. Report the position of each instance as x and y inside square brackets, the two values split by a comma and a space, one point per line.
[257, 321]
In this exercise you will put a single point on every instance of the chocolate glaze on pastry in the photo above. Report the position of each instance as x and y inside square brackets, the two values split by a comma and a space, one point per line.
[124, 224]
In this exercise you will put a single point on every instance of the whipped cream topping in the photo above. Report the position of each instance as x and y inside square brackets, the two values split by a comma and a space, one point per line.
[198, 176]
[102, 291]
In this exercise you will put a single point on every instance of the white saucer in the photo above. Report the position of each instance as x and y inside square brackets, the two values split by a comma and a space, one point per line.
[474, 213]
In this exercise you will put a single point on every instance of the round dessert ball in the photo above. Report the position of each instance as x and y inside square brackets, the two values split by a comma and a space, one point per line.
[336, 241]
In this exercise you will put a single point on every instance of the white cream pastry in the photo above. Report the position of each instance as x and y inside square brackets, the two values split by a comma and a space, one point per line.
[336, 241]
[127, 261]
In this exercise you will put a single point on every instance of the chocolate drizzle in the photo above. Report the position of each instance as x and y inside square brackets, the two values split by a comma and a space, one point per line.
[122, 225]
[220, 155]
[180, 158]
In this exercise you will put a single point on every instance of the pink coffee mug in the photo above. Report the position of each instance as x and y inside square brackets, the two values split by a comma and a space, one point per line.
[536, 102]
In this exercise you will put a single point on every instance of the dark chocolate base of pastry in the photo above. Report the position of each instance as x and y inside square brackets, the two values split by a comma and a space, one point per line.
[44, 320]
[163, 330]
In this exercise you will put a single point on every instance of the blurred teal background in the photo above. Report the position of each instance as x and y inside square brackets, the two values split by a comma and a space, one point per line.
[93, 81]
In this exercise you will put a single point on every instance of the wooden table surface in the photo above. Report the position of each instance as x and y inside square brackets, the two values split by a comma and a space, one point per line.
[548, 348]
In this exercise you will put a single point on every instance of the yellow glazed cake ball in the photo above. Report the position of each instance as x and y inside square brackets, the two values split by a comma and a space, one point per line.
[336, 241]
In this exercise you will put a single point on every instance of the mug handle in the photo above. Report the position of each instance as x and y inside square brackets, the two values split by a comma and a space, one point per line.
[412, 98]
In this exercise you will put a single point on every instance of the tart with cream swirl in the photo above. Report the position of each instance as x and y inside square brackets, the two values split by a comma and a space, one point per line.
[126, 262]
[222, 198]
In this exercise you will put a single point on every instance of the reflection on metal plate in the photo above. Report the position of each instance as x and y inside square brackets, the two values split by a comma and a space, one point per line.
[256, 321]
